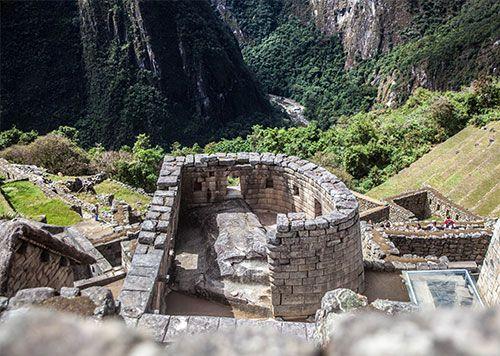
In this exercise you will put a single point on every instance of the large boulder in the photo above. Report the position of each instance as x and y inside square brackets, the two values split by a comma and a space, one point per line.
[40, 332]
[31, 296]
[445, 332]
[334, 305]
[236, 241]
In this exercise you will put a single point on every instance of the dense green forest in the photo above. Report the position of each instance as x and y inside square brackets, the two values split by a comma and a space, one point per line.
[118, 68]
[450, 44]
[367, 148]
[178, 79]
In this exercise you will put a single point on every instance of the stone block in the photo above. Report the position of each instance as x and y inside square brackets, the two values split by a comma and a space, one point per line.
[155, 325]
[69, 292]
[31, 296]
[147, 237]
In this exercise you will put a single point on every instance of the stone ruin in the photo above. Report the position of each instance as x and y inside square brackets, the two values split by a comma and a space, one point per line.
[33, 257]
[274, 236]
[413, 205]
[309, 243]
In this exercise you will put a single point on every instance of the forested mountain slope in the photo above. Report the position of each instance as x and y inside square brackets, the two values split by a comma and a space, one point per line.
[340, 57]
[117, 68]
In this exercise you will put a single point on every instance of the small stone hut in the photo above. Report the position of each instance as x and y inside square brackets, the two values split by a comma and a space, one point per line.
[32, 257]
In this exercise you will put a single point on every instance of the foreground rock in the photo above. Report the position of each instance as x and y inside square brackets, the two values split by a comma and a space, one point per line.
[40, 332]
[443, 332]
[262, 342]
[333, 306]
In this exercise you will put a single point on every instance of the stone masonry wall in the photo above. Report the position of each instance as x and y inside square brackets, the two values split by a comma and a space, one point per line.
[459, 246]
[34, 267]
[264, 185]
[488, 283]
[426, 202]
[309, 257]
[443, 207]
[144, 287]
[322, 245]
[415, 202]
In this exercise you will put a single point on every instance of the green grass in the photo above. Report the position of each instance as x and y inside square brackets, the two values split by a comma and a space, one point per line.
[136, 200]
[29, 201]
[465, 168]
[5, 209]
[233, 181]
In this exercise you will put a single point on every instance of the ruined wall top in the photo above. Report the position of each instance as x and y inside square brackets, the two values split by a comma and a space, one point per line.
[344, 202]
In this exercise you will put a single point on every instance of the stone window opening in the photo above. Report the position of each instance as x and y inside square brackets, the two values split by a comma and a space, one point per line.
[63, 262]
[233, 186]
[269, 182]
[296, 190]
[318, 210]
[197, 186]
[211, 174]
[44, 256]
[23, 247]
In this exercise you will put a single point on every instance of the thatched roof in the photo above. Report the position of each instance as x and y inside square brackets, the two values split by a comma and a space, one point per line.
[21, 229]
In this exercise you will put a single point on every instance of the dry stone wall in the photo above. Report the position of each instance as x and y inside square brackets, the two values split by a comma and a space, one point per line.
[457, 246]
[424, 203]
[488, 283]
[312, 251]
[35, 267]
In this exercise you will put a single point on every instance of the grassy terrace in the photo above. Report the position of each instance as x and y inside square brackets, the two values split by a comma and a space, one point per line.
[465, 168]
[29, 201]
[136, 200]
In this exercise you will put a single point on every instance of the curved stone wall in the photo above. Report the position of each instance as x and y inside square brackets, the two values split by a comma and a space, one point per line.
[317, 243]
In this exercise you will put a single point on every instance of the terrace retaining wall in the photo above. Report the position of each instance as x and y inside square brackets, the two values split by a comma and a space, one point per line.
[488, 283]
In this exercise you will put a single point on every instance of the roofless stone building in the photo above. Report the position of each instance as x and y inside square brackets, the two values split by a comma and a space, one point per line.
[313, 246]
[32, 257]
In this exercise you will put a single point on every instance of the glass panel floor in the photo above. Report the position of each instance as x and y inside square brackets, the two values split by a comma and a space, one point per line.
[442, 288]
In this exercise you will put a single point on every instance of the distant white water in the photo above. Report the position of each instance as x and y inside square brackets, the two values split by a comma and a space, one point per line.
[294, 109]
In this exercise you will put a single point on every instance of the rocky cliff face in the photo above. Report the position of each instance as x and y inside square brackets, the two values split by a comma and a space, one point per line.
[42, 73]
[371, 27]
[180, 54]
[171, 69]
[366, 27]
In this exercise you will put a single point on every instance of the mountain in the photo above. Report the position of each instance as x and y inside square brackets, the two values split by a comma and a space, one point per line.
[117, 68]
[465, 168]
[337, 57]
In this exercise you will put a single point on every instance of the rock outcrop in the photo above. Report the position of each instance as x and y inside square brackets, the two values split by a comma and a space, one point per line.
[371, 27]
[226, 258]
[167, 68]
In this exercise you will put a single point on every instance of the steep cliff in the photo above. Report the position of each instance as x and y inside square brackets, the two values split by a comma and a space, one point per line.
[371, 27]
[42, 77]
[167, 68]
